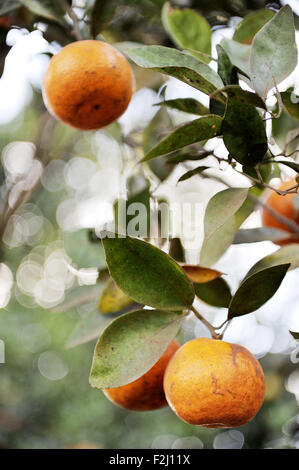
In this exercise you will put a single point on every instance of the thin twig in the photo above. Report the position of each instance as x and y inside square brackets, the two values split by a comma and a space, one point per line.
[76, 28]
[206, 323]
[266, 185]
[281, 218]
[226, 326]
[220, 326]
[292, 190]
[226, 323]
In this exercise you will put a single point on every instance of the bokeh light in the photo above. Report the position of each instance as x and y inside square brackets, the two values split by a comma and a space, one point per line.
[6, 283]
[51, 366]
[229, 440]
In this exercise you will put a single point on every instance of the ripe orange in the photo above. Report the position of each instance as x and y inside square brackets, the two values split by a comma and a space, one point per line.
[88, 84]
[214, 384]
[145, 393]
[284, 205]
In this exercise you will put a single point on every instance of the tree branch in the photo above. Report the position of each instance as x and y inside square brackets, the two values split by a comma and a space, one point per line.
[206, 323]
[76, 28]
[25, 195]
[281, 218]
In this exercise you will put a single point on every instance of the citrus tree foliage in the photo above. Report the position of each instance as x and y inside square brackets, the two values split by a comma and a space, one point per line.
[239, 120]
[260, 55]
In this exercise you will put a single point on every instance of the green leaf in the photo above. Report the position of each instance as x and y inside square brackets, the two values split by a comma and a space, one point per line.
[131, 345]
[285, 132]
[238, 53]
[49, 9]
[188, 105]
[177, 64]
[112, 299]
[198, 130]
[295, 334]
[256, 290]
[147, 274]
[266, 171]
[161, 167]
[243, 96]
[183, 157]
[83, 252]
[101, 15]
[187, 28]
[226, 70]
[244, 133]
[291, 103]
[199, 55]
[216, 292]
[221, 207]
[138, 213]
[8, 5]
[194, 172]
[251, 24]
[176, 250]
[248, 206]
[293, 165]
[216, 107]
[214, 246]
[285, 254]
[158, 127]
[87, 329]
[274, 52]
[253, 235]
[292, 135]
[275, 171]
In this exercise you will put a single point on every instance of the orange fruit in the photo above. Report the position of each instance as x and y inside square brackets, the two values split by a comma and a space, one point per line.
[214, 384]
[88, 84]
[284, 205]
[145, 393]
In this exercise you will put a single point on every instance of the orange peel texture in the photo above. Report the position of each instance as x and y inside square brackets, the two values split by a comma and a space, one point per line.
[88, 84]
[145, 393]
[214, 384]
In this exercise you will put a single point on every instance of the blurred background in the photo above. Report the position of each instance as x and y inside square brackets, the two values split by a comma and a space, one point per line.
[57, 188]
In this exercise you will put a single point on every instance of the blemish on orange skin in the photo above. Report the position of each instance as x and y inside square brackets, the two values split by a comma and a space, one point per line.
[84, 74]
[145, 393]
[214, 384]
[235, 349]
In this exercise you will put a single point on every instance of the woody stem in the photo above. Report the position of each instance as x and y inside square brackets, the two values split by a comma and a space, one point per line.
[76, 29]
[281, 218]
[206, 323]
